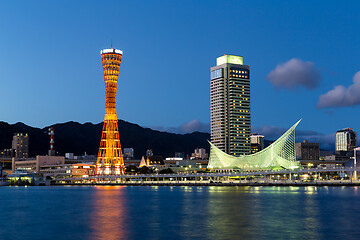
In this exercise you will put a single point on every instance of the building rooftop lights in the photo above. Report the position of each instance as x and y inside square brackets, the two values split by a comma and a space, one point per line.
[111, 50]
[230, 59]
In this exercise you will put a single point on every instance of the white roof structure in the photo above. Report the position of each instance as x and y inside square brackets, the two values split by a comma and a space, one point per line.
[111, 50]
[280, 154]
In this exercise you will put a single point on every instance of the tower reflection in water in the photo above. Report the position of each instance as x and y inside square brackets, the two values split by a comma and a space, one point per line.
[108, 213]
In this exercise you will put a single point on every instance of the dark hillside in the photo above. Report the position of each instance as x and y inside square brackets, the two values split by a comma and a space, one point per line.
[80, 138]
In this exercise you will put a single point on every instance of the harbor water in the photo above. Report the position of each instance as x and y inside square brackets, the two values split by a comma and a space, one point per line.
[175, 212]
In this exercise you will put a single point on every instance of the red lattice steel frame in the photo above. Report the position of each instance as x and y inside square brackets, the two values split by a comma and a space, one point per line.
[110, 160]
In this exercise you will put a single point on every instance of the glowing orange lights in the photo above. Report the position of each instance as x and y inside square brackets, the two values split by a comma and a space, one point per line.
[110, 160]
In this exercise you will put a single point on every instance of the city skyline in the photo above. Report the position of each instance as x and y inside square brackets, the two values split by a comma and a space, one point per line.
[179, 119]
[317, 51]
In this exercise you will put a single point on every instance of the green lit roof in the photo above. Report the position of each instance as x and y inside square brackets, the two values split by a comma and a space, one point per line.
[230, 59]
[280, 154]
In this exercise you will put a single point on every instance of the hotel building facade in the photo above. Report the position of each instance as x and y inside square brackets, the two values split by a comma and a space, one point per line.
[230, 105]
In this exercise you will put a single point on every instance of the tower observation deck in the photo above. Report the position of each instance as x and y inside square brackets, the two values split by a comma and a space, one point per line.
[110, 160]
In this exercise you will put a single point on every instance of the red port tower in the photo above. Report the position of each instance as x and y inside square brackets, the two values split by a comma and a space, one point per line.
[110, 160]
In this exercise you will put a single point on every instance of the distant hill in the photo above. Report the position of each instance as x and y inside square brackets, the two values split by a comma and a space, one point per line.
[79, 138]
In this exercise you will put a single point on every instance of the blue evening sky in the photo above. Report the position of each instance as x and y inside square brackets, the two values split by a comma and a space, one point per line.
[51, 68]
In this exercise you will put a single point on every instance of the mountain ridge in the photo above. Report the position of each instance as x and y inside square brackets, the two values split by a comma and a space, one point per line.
[79, 138]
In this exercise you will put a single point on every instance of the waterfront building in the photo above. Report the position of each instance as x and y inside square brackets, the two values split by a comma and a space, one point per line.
[22, 178]
[345, 140]
[230, 105]
[20, 144]
[279, 155]
[67, 170]
[329, 162]
[83, 170]
[257, 143]
[179, 165]
[307, 151]
[34, 164]
[183, 166]
[110, 159]
[57, 171]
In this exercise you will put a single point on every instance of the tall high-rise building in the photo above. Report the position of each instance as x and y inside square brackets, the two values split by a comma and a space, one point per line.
[230, 105]
[110, 159]
[20, 144]
[345, 140]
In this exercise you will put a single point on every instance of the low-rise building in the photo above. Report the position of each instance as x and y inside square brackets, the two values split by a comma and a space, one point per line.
[151, 160]
[199, 153]
[257, 143]
[57, 171]
[83, 170]
[34, 164]
[307, 151]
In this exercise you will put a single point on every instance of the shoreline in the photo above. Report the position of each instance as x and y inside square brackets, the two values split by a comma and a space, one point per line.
[290, 184]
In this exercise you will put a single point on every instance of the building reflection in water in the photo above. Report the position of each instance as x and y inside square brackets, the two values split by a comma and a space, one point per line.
[258, 213]
[108, 213]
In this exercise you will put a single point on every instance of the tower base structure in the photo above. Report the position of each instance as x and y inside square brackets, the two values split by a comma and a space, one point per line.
[110, 160]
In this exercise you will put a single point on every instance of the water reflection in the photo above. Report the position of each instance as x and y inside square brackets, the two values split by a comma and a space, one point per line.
[311, 223]
[109, 211]
[179, 212]
[215, 212]
[260, 212]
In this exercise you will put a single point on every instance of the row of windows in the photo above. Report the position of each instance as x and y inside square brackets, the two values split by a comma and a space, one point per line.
[242, 86]
[238, 76]
[238, 71]
[216, 73]
[239, 144]
[244, 136]
[111, 57]
[243, 111]
[241, 97]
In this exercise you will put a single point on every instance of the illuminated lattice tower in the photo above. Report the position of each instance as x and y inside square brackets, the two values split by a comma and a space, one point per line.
[110, 160]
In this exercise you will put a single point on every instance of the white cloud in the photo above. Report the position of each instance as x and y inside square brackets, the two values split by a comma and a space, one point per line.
[341, 96]
[295, 73]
